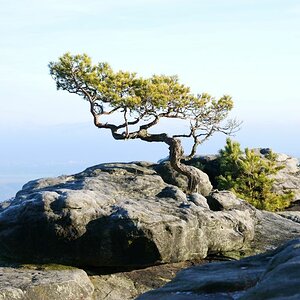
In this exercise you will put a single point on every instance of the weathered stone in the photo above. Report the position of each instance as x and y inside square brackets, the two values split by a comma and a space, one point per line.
[129, 285]
[288, 178]
[29, 284]
[274, 275]
[272, 230]
[169, 175]
[116, 215]
[225, 200]
[126, 215]
[291, 215]
[116, 287]
[209, 164]
[198, 200]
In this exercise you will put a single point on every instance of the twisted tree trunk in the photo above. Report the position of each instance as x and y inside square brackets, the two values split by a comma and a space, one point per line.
[176, 154]
[193, 174]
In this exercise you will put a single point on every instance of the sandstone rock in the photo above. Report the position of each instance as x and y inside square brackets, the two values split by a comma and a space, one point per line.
[273, 275]
[171, 176]
[291, 215]
[29, 284]
[116, 287]
[288, 178]
[272, 230]
[47, 282]
[209, 164]
[129, 285]
[126, 215]
[116, 215]
[199, 200]
[225, 200]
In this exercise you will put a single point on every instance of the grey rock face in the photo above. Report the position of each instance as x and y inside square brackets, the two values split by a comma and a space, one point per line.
[116, 215]
[116, 287]
[171, 176]
[126, 215]
[199, 200]
[56, 282]
[274, 275]
[289, 177]
[209, 164]
[26, 284]
[291, 215]
[129, 285]
[272, 230]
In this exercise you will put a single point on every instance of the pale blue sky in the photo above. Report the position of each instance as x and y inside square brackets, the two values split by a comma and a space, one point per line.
[249, 49]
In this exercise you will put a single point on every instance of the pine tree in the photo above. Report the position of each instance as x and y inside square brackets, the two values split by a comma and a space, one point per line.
[248, 176]
[130, 106]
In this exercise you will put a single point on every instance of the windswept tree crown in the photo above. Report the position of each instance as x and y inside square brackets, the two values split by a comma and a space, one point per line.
[139, 99]
[141, 103]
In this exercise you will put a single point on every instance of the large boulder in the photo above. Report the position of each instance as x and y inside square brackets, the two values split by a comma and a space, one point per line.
[126, 215]
[117, 215]
[288, 178]
[29, 284]
[274, 275]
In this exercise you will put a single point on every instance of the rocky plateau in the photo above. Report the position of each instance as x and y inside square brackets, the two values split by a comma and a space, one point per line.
[117, 230]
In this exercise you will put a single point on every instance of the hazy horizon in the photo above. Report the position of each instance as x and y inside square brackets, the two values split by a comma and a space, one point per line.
[67, 149]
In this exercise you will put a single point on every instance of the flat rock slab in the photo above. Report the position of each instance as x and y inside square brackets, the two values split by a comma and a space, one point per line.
[29, 284]
[129, 285]
[274, 275]
[51, 282]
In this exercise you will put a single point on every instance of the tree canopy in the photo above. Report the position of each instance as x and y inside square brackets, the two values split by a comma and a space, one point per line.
[141, 102]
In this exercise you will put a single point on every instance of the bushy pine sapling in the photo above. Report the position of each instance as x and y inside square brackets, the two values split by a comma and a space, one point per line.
[248, 175]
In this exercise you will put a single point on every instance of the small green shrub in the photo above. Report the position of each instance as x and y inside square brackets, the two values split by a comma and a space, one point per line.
[247, 174]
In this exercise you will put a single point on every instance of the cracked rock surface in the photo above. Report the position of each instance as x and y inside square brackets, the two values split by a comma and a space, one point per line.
[126, 215]
[274, 275]
[29, 284]
[118, 215]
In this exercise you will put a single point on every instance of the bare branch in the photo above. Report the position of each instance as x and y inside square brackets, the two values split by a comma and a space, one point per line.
[128, 123]
[182, 135]
[151, 124]
[111, 111]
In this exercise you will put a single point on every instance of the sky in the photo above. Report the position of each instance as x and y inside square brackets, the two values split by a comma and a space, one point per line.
[249, 49]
